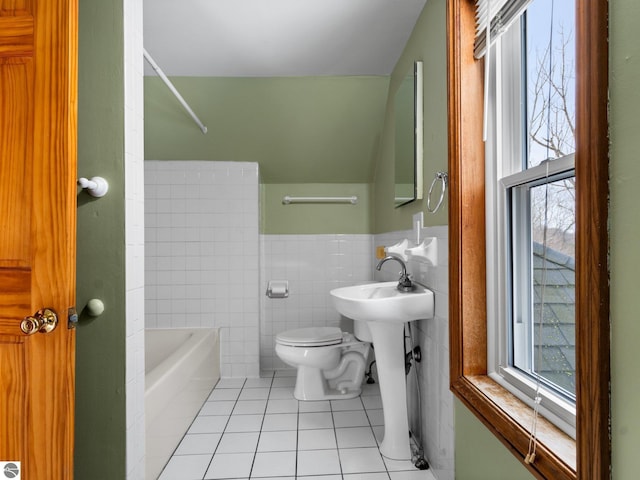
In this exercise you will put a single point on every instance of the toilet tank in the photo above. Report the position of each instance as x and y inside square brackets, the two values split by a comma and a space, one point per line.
[361, 331]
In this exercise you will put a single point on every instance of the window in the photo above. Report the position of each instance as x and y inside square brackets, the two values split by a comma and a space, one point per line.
[541, 260]
[506, 416]
[531, 222]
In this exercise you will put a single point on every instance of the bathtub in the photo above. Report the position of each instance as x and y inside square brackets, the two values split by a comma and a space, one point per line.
[181, 368]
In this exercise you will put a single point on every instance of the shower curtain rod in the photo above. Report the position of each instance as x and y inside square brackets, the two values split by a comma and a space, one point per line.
[168, 83]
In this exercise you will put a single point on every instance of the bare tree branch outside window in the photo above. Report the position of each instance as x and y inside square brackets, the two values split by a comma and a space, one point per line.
[551, 133]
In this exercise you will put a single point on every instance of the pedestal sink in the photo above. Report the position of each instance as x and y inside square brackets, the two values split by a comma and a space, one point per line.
[385, 309]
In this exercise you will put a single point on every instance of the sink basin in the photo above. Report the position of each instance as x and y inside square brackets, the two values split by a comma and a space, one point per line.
[385, 310]
[383, 302]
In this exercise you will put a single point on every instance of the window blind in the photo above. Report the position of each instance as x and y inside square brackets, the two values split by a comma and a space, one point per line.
[499, 15]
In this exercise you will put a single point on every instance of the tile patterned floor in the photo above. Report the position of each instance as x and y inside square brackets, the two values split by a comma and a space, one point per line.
[254, 428]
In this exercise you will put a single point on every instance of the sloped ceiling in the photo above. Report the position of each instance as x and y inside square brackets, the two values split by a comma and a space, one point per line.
[271, 38]
[308, 135]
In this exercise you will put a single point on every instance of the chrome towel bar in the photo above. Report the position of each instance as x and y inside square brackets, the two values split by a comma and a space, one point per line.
[286, 200]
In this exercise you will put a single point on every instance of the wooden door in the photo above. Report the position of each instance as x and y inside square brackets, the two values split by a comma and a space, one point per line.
[38, 52]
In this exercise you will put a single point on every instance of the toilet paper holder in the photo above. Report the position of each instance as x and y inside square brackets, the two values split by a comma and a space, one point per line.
[278, 289]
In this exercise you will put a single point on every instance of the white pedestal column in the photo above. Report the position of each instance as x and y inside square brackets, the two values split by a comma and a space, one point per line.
[388, 341]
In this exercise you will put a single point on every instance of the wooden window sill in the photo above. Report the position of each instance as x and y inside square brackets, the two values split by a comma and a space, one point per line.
[514, 422]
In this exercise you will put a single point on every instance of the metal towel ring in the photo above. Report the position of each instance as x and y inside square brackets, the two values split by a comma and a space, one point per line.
[443, 177]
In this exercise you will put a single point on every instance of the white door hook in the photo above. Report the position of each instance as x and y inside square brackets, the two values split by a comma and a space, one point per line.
[96, 186]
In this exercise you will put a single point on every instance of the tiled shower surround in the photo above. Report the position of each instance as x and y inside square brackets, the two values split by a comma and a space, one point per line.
[207, 265]
[201, 254]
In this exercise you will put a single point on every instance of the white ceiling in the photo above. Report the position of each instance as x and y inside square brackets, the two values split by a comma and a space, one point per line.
[270, 38]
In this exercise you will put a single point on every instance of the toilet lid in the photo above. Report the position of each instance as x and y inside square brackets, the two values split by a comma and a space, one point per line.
[310, 337]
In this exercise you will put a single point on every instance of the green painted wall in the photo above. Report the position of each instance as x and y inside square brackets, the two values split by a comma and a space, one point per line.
[427, 43]
[624, 237]
[100, 374]
[315, 218]
[479, 454]
[300, 130]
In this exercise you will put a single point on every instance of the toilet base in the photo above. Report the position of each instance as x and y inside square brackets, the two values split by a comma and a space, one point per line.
[311, 385]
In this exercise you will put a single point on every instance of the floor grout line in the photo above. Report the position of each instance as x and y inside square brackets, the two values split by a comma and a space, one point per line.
[225, 426]
[264, 414]
[351, 442]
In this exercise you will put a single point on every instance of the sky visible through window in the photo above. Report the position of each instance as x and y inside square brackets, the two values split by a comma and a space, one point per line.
[550, 94]
[550, 82]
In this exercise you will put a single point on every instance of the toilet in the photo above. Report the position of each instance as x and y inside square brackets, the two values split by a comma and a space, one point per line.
[330, 363]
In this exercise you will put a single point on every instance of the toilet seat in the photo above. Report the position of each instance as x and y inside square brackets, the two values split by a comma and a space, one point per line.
[330, 363]
[310, 337]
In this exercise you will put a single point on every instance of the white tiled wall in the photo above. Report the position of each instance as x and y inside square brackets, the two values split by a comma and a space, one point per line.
[435, 400]
[134, 237]
[313, 265]
[202, 245]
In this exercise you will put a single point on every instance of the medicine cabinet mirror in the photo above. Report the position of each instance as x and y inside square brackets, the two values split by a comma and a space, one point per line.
[408, 138]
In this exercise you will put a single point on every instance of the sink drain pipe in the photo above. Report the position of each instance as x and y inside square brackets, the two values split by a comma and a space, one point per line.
[417, 452]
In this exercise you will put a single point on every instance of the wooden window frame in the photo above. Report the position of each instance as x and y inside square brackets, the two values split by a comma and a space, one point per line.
[558, 457]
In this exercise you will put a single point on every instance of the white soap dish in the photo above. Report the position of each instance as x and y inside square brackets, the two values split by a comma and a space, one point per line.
[399, 249]
[427, 250]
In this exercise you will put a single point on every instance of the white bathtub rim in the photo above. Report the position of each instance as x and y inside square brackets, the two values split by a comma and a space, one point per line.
[181, 384]
[177, 358]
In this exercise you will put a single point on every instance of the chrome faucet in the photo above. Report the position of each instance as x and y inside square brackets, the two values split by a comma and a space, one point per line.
[404, 284]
